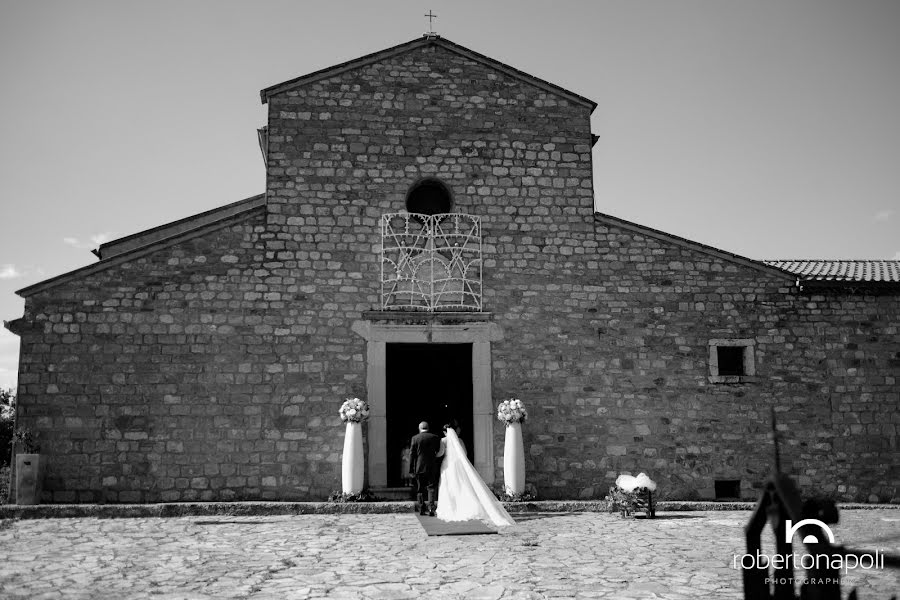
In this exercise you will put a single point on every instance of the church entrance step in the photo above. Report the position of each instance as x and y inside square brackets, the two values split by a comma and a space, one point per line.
[394, 493]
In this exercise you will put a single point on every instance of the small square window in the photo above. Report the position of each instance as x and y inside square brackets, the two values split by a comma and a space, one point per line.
[728, 489]
[731, 361]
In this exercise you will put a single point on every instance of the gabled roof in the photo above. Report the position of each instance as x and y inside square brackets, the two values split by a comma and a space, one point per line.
[692, 245]
[843, 271]
[161, 232]
[809, 273]
[427, 40]
[146, 242]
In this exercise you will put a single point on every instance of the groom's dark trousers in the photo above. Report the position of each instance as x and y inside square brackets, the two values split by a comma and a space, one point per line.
[423, 467]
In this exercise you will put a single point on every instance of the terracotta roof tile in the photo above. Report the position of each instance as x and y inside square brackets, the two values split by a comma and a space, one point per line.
[881, 271]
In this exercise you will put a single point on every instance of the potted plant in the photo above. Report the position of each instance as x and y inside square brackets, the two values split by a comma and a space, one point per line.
[29, 467]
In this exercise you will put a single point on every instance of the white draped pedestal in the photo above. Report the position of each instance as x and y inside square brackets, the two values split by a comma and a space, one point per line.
[352, 466]
[514, 460]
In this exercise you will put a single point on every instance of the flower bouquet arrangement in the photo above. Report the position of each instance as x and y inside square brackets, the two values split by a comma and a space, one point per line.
[337, 497]
[511, 411]
[529, 495]
[620, 501]
[631, 494]
[354, 410]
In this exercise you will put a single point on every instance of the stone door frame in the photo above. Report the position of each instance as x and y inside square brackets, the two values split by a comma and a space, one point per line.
[379, 334]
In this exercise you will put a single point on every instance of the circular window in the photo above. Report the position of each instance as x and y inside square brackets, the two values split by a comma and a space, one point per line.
[429, 196]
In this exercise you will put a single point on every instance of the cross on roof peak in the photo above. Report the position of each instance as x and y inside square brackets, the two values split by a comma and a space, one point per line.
[431, 16]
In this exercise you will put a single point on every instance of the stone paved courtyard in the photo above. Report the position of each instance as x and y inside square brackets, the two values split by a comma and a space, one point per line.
[548, 555]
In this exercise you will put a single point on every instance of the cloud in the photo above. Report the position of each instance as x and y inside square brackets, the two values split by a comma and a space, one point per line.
[9, 271]
[92, 242]
[884, 215]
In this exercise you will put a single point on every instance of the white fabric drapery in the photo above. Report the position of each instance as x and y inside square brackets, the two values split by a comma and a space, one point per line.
[462, 494]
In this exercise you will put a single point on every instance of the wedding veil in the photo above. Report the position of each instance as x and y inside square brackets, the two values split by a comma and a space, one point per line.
[462, 494]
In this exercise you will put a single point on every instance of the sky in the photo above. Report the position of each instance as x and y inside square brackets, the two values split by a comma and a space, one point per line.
[768, 128]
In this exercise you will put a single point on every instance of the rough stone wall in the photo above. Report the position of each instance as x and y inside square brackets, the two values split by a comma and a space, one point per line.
[150, 380]
[214, 369]
[851, 346]
[208, 372]
[607, 332]
[614, 365]
[345, 150]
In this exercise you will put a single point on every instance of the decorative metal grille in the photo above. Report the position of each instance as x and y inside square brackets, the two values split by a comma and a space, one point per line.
[430, 262]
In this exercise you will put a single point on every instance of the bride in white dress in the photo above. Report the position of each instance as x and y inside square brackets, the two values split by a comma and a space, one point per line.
[462, 494]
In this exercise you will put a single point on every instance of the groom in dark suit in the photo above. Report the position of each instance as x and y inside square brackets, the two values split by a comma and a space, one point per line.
[423, 466]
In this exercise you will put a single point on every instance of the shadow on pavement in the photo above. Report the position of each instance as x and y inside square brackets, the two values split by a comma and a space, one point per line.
[659, 517]
[520, 517]
[235, 522]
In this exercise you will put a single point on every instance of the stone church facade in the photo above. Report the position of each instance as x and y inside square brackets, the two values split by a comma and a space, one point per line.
[206, 359]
